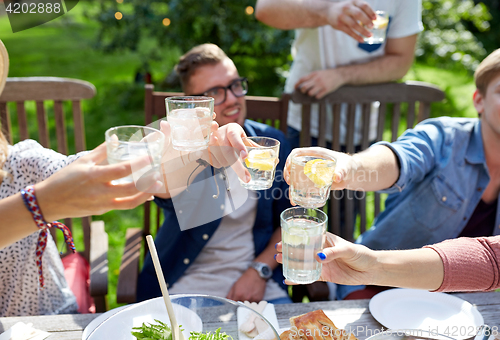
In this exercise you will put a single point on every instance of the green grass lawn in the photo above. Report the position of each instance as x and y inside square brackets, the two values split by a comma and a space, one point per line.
[64, 48]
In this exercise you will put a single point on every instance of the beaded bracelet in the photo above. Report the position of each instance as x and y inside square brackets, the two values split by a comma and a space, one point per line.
[31, 204]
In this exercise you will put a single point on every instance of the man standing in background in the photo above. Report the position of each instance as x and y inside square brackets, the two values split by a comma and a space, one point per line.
[329, 51]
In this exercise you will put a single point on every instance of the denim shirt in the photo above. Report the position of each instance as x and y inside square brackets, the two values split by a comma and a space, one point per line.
[178, 249]
[443, 175]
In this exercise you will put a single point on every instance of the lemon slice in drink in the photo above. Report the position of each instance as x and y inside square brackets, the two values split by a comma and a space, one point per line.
[380, 22]
[320, 171]
[295, 236]
[261, 160]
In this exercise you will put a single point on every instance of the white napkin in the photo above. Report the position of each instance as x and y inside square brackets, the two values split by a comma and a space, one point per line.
[22, 331]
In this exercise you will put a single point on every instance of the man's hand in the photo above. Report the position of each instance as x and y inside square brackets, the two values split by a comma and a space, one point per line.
[345, 167]
[352, 17]
[319, 83]
[249, 287]
[226, 148]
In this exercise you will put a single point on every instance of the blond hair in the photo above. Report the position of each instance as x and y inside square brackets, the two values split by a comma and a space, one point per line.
[198, 56]
[488, 69]
[4, 151]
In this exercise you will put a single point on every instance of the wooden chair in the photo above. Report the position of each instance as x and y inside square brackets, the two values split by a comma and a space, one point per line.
[269, 110]
[391, 97]
[41, 90]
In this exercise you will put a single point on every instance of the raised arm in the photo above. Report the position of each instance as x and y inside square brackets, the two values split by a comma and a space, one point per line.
[345, 16]
[225, 148]
[80, 189]
[354, 264]
[373, 169]
[463, 264]
[389, 67]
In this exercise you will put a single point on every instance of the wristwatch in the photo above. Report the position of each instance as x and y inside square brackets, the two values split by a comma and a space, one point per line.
[263, 269]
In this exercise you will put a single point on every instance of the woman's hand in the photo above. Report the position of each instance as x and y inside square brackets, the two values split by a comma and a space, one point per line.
[343, 262]
[84, 188]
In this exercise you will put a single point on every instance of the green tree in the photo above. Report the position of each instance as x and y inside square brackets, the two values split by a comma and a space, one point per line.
[155, 28]
[447, 40]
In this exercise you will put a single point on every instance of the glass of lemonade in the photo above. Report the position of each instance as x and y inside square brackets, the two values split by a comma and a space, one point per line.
[310, 180]
[302, 236]
[190, 119]
[261, 162]
[379, 28]
[124, 143]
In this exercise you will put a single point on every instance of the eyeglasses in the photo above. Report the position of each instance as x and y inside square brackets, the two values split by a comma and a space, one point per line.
[238, 87]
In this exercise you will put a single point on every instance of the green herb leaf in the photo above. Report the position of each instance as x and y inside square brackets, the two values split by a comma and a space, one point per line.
[160, 331]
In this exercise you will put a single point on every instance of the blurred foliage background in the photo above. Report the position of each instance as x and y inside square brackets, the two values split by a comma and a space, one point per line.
[457, 34]
[119, 44]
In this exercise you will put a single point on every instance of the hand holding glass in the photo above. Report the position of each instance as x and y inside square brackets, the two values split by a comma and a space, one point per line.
[302, 237]
[261, 162]
[379, 29]
[190, 119]
[128, 142]
[310, 180]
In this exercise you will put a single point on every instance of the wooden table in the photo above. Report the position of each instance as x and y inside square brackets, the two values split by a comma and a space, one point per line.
[352, 314]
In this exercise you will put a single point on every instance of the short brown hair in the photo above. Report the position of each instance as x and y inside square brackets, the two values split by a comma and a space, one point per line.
[201, 55]
[488, 69]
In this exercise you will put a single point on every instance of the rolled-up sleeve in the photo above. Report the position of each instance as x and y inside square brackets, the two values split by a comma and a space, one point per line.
[418, 150]
[470, 264]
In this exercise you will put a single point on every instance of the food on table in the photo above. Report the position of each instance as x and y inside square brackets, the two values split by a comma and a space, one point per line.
[161, 331]
[314, 326]
[254, 325]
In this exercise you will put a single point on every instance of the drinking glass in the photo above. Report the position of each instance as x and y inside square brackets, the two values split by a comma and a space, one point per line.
[379, 29]
[302, 237]
[261, 162]
[190, 119]
[128, 142]
[310, 180]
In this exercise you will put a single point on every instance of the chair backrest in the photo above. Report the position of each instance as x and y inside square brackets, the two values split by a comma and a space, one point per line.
[417, 95]
[42, 91]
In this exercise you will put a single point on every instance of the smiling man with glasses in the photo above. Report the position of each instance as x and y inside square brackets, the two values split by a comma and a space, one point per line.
[233, 256]
[206, 70]
[238, 87]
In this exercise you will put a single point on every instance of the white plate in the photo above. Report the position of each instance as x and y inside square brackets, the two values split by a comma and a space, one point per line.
[269, 313]
[100, 319]
[118, 325]
[420, 309]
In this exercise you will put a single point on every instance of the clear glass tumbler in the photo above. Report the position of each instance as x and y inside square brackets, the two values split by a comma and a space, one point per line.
[190, 119]
[261, 162]
[128, 142]
[379, 29]
[302, 237]
[310, 180]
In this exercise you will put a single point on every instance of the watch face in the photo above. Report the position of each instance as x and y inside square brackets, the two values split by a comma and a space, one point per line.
[266, 271]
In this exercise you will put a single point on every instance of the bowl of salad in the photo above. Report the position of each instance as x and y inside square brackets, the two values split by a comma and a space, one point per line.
[200, 317]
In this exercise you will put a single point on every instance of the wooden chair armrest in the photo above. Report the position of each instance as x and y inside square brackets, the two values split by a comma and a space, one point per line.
[129, 268]
[98, 259]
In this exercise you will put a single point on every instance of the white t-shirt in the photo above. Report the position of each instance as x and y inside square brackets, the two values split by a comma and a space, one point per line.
[324, 47]
[29, 163]
[228, 253]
